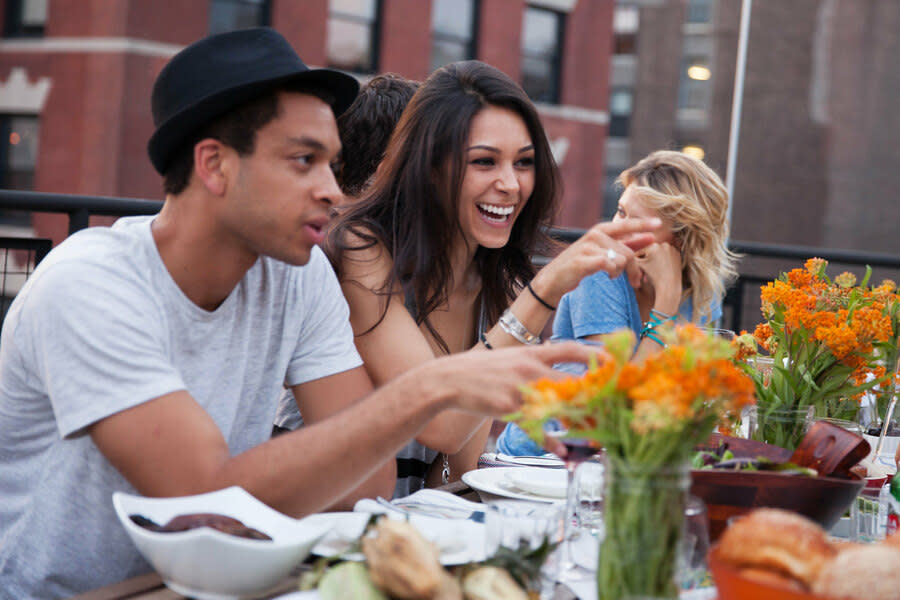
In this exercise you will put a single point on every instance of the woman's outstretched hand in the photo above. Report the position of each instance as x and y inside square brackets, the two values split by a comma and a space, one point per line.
[608, 246]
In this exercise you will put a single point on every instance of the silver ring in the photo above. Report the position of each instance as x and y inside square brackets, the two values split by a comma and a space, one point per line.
[611, 255]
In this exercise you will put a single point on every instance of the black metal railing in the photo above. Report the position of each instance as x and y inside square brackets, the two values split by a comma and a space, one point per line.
[18, 259]
[79, 208]
[759, 263]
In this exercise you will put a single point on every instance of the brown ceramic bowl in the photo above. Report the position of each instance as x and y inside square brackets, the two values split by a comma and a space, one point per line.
[730, 494]
[730, 585]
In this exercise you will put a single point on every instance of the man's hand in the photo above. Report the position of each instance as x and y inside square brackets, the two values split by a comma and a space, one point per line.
[489, 382]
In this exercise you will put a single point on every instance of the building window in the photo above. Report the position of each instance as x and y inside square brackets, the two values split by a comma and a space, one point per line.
[454, 24]
[18, 157]
[626, 19]
[228, 15]
[699, 11]
[353, 35]
[542, 33]
[25, 18]
[619, 111]
[694, 87]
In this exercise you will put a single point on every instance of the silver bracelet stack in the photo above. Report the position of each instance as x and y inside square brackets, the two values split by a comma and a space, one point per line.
[511, 324]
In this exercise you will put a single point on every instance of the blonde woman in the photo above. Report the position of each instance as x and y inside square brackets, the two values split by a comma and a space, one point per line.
[683, 274]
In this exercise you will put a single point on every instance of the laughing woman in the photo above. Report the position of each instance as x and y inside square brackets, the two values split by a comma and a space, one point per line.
[435, 258]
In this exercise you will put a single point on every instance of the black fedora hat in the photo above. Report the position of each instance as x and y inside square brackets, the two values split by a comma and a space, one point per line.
[218, 73]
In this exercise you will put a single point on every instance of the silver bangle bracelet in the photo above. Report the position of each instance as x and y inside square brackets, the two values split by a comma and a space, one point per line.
[513, 326]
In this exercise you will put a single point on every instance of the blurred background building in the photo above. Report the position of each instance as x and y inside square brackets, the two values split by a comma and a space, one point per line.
[817, 162]
[76, 75]
[817, 159]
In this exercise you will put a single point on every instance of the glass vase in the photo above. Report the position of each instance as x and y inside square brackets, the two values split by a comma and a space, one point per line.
[644, 518]
[783, 427]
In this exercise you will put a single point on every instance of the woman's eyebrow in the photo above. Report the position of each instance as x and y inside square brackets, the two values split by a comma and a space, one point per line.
[493, 149]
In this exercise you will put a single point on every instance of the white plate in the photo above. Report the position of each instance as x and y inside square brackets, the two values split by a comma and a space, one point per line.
[542, 482]
[494, 481]
[459, 541]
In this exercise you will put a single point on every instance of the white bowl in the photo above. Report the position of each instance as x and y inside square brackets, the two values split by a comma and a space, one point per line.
[210, 565]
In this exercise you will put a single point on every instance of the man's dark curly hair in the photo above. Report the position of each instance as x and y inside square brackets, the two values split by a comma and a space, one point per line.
[366, 127]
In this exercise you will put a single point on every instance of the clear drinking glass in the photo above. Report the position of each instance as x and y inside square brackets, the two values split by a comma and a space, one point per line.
[694, 544]
[514, 523]
[726, 334]
[589, 496]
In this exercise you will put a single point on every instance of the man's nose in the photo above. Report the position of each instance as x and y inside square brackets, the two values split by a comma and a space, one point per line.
[328, 190]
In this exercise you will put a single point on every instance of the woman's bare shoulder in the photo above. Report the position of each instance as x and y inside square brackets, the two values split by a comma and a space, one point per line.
[363, 258]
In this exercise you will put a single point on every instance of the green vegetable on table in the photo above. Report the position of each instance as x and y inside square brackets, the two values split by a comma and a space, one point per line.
[349, 580]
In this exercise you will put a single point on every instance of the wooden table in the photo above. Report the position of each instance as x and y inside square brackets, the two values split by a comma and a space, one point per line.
[151, 587]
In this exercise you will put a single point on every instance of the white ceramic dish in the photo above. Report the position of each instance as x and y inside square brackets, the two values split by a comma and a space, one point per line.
[492, 482]
[210, 565]
[542, 482]
[459, 541]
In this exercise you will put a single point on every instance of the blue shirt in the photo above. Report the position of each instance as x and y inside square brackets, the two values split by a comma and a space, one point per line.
[598, 305]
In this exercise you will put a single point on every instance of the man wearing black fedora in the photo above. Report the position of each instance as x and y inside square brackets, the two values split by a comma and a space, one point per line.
[149, 356]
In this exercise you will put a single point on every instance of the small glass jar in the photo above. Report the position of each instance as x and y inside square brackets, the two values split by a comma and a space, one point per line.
[780, 427]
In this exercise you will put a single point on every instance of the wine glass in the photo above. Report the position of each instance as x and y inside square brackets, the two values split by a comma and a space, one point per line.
[577, 451]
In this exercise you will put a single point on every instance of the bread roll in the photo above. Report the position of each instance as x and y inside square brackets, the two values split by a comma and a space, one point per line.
[862, 571]
[777, 540]
[767, 577]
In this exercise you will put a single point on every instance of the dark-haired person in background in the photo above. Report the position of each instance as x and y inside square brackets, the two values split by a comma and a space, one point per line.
[366, 127]
[434, 261]
[148, 356]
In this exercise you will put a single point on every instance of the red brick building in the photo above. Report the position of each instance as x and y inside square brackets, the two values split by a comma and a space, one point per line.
[76, 75]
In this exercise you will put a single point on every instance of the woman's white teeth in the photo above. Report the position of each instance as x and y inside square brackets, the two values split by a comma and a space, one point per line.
[497, 210]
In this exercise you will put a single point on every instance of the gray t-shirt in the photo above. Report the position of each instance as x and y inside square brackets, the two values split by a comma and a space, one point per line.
[101, 327]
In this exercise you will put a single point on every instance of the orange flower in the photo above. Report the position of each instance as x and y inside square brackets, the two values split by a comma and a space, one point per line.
[693, 380]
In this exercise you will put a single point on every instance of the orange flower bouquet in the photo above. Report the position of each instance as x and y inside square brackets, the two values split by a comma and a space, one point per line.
[648, 417]
[828, 341]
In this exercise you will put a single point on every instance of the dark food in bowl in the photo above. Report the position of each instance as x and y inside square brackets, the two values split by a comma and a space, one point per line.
[218, 522]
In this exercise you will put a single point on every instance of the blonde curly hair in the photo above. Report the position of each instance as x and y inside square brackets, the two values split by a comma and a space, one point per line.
[689, 196]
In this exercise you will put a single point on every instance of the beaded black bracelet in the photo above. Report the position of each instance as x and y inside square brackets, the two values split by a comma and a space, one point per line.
[486, 343]
[546, 304]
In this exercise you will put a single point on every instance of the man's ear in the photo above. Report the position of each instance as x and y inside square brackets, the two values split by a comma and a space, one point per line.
[209, 167]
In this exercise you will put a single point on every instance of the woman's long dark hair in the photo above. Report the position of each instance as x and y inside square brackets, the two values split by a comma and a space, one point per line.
[412, 207]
